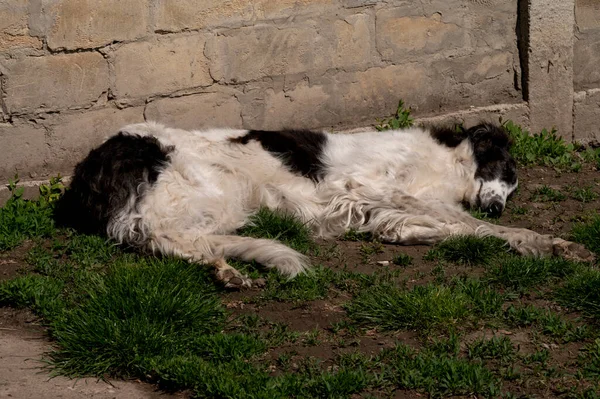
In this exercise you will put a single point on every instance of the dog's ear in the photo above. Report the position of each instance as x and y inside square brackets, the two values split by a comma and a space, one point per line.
[448, 135]
[486, 136]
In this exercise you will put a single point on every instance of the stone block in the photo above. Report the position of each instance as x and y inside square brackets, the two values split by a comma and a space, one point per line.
[55, 81]
[252, 53]
[26, 152]
[198, 111]
[399, 35]
[274, 9]
[14, 32]
[550, 65]
[477, 68]
[586, 61]
[586, 113]
[13, 17]
[175, 16]
[347, 98]
[94, 23]
[71, 137]
[587, 14]
[162, 66]
[518, 113]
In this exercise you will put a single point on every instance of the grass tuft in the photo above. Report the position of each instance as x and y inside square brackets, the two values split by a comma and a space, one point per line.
[402, 260]
[280, 226]
[518, 272]
[468, 250]
[388, 307]
[588, 234]
[582, 291]
[493, 348]
[438, 374]
[547, 194]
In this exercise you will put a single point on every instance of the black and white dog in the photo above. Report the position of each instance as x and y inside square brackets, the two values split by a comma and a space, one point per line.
[185, 193]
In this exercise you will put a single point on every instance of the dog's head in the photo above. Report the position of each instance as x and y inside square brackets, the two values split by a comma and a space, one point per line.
[496, 172]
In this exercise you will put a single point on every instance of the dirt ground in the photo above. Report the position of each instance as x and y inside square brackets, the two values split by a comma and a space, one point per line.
[22, 339]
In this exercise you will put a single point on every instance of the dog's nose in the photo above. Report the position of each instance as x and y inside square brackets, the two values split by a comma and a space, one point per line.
[494, 209]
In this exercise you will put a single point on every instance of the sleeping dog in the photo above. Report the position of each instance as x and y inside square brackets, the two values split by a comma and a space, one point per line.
[186, 193]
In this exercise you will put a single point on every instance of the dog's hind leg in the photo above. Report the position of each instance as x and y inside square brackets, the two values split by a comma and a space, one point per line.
[215, 249]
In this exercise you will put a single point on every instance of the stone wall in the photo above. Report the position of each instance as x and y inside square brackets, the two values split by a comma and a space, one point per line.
[587, 71]
[74, 71]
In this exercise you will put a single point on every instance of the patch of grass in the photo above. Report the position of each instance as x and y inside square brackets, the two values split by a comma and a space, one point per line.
[494, 348]
[582, 291]
[21, 219]
[402, 260]
[518, 210]
[589, 359]
[400, 120]
[368, 249]
[588, 234]
[438, 374]
[522, 316]
[547, 194]
[388, 307]
[585, 194]
[317, 283]
[549, 323]
[481, 215]
[545, 148]
[391, 308]
[279, 226]
[467, 250]
[41, 294]
[353, 235]
[155, 308]
[540, 356]
[518, 272]
[305, 287]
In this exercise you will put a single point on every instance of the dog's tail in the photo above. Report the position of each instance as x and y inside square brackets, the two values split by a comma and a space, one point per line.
[269, 253]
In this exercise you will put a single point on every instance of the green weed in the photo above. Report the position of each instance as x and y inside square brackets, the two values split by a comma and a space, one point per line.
[402, 260]
[353, 235]
[21, 219]
[493, 348]
[589, 358]
[545, 148]
[547, 194]
[400, 120]
[586, 194]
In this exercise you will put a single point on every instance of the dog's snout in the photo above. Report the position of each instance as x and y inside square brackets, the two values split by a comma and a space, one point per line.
[494, 209]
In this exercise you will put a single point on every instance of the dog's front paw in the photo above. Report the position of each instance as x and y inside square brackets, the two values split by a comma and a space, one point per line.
[233, 279]
[571, 251]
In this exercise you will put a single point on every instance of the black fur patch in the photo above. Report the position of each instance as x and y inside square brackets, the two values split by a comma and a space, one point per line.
[448, 136]
[300, 150]
[107, 178]
[490, 145]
